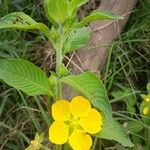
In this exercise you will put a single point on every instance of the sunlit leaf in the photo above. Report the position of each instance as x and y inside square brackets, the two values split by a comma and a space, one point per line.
[98, 15]
[25, 76]
[56, 10]
[76, 39]
[74, 5]
[19, 20]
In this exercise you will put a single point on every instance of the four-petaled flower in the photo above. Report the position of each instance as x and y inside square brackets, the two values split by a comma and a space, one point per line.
[73, 121]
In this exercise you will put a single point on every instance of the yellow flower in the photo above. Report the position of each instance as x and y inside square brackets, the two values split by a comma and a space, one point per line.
[146, 97]
[73, 120]
[145, 110]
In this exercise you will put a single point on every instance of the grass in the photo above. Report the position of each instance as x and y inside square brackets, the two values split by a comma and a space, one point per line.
[127, 69]
[20, 116]
[131, 52]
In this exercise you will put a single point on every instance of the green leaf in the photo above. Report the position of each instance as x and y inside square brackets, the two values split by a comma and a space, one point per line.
[62, 71]
[74, 5]
[98, 15]
[134, 127]
[56, 10]
[36, 143]
[126, 95]
[76, 39]
[115, 132]
[148, 88]
[39, 138]
[25, 76]
[54, 34]
[19, 20]
[131, 109]
[92, 87]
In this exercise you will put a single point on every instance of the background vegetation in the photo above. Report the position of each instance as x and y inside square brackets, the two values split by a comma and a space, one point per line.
[125, 75]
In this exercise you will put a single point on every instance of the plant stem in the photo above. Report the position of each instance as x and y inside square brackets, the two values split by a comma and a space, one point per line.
[59, 58]
[59, 47]
[100, 144]
[59, 53]
[94, 144]
[58, 91]
[58, 147]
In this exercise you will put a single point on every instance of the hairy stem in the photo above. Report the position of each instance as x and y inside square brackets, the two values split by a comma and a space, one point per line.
[59, 58]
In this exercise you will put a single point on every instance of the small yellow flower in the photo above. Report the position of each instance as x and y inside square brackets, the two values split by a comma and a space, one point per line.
[145, 110]
[146, 97]
[73, 120]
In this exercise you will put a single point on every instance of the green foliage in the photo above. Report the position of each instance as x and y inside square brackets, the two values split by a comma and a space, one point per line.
[76, 39]
[56, 10]
[54, 34]
[134, 127]
[53, 79]
[67, 35]
[62, 71]
[131, 109]
[115, 132]
[126, 95]
[74, 5]
[19, 20]
[98, 15]
[92, 87]
[36, 143]
[62, 14]
[24, 76]
[124, 69]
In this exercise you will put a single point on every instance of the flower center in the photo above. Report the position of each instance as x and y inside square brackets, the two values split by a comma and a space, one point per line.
[73, 124]
[147, 99]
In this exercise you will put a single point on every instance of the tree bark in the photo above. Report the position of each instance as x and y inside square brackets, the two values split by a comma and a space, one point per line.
[103, 33]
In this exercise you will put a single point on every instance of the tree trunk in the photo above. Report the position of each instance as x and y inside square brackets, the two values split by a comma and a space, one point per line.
[103, 33]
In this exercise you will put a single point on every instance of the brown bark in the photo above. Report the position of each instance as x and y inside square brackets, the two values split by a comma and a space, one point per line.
[103, 33]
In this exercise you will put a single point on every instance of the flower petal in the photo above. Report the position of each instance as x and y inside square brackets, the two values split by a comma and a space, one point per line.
[80, 106]
[61, 110]
[92, 123]
[147, 99]
[145, 110]
[58, 133]
[80, 141]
